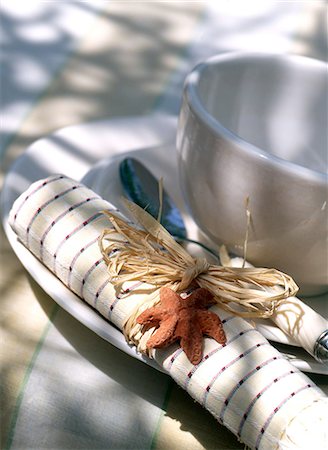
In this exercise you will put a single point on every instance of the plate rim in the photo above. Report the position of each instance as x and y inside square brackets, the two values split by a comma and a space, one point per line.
[115, 336]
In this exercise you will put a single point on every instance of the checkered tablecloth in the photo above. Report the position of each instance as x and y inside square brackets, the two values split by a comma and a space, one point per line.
[72, 62]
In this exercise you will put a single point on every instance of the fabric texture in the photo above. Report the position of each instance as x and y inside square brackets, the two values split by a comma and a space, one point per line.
[64, 63]
[247, 385]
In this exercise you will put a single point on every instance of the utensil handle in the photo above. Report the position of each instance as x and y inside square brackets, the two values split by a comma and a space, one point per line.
[203, 246]
[305, 326]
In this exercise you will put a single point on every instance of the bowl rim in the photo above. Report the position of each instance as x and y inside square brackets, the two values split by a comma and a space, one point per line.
[216, 127]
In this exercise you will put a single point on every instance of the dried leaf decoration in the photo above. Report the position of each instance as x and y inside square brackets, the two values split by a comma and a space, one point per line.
[153, 256]
[184, 320]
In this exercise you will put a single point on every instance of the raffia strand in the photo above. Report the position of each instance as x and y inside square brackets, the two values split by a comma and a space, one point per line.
[153, 256]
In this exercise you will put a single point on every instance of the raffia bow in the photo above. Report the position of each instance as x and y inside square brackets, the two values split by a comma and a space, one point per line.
[152, 255]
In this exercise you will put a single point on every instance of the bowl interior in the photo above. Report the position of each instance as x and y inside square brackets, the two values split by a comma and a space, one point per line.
[278, 104]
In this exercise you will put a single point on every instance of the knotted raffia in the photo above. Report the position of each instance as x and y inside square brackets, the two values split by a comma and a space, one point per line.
[153, 256]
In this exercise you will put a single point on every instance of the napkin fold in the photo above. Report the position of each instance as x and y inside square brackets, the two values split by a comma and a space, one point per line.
[246, 384]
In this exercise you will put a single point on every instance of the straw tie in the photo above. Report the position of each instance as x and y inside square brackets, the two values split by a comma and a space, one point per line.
[151, 255]
[199, 266]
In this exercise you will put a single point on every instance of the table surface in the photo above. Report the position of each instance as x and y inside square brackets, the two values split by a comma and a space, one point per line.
[71, 62]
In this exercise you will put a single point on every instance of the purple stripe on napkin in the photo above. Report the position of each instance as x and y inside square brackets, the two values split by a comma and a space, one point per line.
[79, 253]
[43, 206]
[259, 395]
[243, 380]
[278, 407]
[228, 366]
[36, 189]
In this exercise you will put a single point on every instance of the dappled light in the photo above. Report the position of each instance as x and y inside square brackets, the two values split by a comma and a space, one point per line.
[104, 78]
[90, 82]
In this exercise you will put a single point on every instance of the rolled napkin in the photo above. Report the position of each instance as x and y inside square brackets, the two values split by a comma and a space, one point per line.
[246, 384]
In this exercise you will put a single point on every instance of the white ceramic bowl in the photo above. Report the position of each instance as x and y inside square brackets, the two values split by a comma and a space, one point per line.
[255, 125]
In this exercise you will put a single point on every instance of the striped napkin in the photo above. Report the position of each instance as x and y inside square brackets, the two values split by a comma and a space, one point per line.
[246, 384]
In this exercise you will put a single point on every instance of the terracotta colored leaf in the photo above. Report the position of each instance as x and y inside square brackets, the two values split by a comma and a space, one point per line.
[185, 320]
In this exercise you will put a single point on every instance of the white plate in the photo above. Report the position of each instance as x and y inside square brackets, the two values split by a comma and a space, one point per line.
[91, 152]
